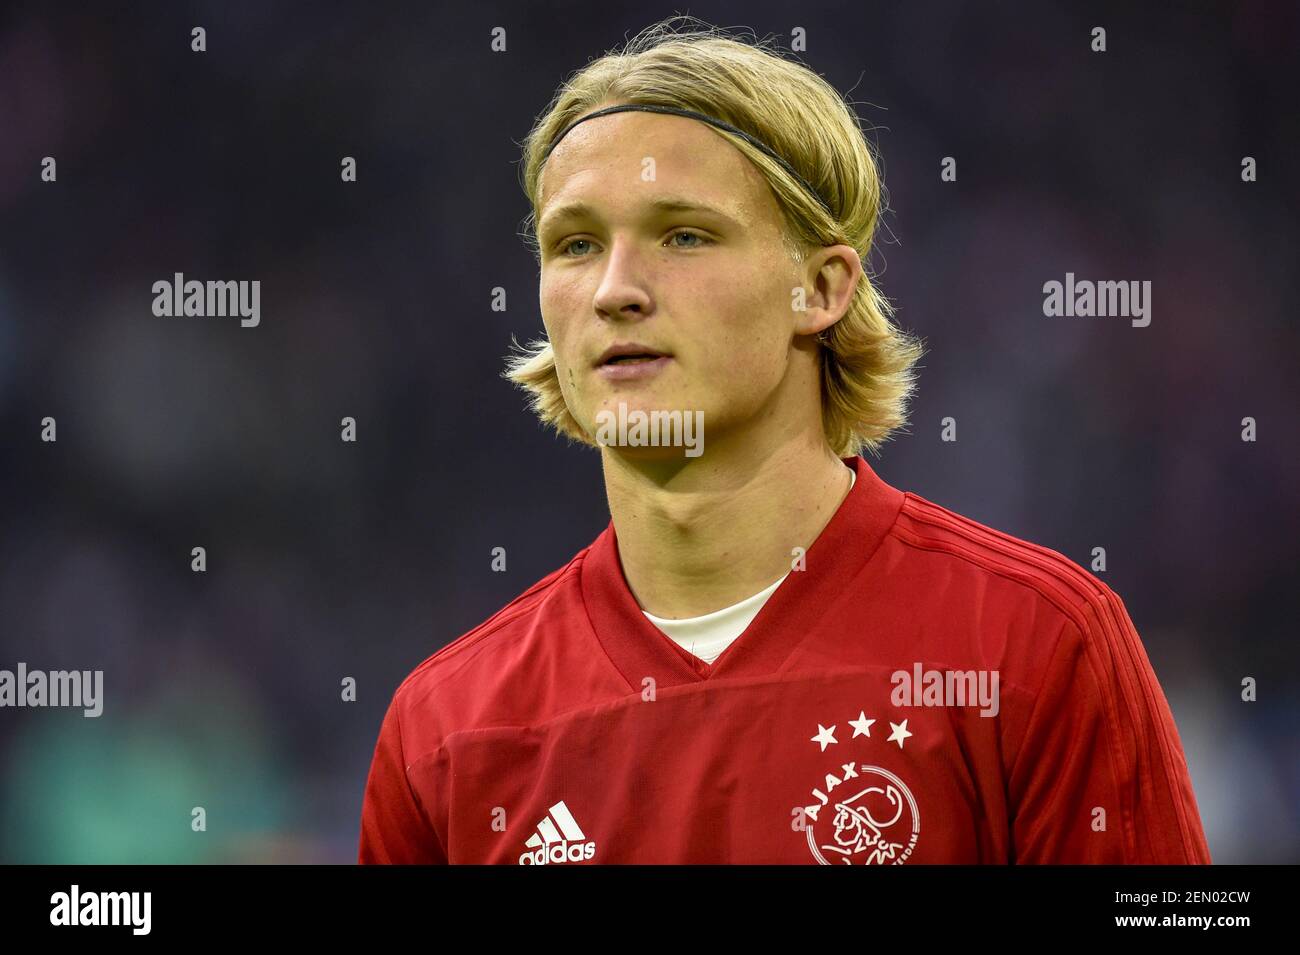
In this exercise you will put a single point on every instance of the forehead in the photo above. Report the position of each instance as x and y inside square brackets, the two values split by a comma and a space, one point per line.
[600, 158]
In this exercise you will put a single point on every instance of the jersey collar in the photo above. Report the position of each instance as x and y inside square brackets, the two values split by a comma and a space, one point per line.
[639, 649]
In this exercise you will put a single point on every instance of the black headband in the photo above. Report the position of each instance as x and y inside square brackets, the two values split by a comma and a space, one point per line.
[691, 114]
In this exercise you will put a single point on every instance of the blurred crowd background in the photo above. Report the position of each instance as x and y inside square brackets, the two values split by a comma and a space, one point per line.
[329, 560]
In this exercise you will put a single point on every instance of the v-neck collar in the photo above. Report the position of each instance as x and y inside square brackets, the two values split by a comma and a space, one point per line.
[639, 649]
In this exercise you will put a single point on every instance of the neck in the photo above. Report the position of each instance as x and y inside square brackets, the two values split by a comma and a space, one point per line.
[699, 534]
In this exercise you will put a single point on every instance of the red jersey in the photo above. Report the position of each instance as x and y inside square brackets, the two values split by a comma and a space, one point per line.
[923, 690]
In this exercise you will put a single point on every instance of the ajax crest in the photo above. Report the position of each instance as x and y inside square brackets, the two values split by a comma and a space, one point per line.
[861, 814]
[877, 825]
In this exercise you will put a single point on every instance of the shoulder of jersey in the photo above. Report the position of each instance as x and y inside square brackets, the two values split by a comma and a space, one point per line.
[1043, 572]
[520, 608]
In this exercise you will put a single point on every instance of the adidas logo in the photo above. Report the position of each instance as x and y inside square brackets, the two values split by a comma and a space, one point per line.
[558, 839]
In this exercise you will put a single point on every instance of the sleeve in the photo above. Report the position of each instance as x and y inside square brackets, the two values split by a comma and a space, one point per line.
[394, 827]
[1100, 775]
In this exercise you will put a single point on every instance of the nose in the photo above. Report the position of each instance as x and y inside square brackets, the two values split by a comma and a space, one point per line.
[622, 292]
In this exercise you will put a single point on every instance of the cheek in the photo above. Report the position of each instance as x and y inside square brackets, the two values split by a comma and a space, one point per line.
[558, 302]
[558, 308]
[748, 336]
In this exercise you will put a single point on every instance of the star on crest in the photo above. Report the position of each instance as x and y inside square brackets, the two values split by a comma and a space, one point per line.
[825, 736]
[862, 725]
[899, 734]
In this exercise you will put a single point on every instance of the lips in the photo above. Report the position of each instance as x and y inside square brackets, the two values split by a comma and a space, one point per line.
[633, 367]
[629, 353]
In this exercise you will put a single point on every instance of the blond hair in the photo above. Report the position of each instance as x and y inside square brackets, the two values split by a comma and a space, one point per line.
[868, 364]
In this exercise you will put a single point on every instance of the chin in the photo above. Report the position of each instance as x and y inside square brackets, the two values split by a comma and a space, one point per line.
[667, 456]
[648, 430]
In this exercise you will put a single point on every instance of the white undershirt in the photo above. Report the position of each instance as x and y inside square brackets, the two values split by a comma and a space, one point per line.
[708, 635]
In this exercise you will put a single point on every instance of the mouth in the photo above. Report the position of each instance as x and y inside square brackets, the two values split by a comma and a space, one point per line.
[631, 359]
[628, 353]
[633, 367]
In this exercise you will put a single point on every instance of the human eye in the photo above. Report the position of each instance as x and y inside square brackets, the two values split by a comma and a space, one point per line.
[562, 248]
[702, 239]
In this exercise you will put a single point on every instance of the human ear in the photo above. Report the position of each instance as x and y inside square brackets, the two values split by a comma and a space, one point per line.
[831, 276]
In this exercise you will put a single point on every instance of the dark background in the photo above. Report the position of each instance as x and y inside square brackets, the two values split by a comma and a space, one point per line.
[329, 560]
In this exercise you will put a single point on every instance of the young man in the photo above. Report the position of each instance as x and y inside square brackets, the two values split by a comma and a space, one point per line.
[770, 655]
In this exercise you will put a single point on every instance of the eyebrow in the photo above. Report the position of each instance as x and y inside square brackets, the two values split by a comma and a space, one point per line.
[666, 204]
